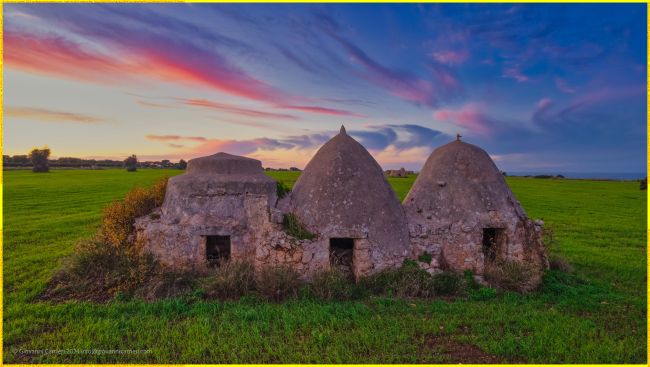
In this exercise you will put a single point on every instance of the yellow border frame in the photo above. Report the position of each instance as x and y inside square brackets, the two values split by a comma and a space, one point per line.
[316, 1]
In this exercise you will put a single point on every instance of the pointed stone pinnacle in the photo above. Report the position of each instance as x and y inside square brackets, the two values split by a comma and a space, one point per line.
[342, 130]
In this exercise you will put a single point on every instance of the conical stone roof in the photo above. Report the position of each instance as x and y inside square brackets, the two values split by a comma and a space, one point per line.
[343, 193]
[460, 180]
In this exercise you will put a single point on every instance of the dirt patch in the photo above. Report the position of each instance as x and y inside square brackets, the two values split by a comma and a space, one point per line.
[452, 351]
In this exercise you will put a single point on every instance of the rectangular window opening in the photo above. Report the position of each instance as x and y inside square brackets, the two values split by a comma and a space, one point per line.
[217, 249]
[493, 239]
[341, 250]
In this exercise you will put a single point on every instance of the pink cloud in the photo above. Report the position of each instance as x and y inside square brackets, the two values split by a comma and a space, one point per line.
[320, 110]
[470, 117]
[154, 59]
[58, 57]
[43, 114]
[175, 138]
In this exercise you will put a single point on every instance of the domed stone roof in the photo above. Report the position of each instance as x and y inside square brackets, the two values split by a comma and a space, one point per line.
[460, 180]
[224, 163]
[213, 176]
[343, 193]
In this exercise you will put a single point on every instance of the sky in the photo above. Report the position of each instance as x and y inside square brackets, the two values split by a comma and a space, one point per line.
[540, 87]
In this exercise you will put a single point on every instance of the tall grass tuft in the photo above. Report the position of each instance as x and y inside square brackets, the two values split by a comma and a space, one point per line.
[277, 283]
[230, 280]
[509, 275]
[294, 227]
[334, 285]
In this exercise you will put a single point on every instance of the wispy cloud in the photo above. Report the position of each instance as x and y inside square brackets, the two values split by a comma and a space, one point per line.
[175, 138]
[376, 138]
[43, 114]
[233, 109]
[470, 117]
[320, 110]
[441, 85]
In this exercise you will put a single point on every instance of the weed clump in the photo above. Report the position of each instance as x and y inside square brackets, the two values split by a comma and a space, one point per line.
[230, 280]
[294, 227]
[334, 285]
[277, 283]
[425, 257]
[411, 281]
[509, 275]
[447, 283]
[98, 271]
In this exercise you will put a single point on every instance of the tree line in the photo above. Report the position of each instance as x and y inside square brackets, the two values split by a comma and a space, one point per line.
[39, 160]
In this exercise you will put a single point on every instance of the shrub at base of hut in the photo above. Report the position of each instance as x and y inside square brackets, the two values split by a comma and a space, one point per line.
[119, 216]
[447, 283]
[98, 271]
[230, 280]
[293, 227]
[509, 276]
[410, 281]
[334, 285]
[277, 283]
[167, 284]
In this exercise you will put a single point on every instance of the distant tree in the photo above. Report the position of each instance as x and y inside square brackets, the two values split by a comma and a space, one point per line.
[504, 173]
[39, 157]
[131, 163]
[182, 164]
[643, 184]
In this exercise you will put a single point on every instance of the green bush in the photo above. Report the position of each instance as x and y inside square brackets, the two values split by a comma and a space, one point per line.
[277, 283]
[446, 283]
[230, 280]
[294, 227]
[282, 189]
[425, 258]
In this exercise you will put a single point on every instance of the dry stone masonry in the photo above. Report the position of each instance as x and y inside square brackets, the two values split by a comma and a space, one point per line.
[460, 213]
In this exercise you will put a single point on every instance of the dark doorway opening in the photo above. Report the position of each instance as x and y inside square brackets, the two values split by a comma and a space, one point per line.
[217, 249]
[341, 250]
[492, 242]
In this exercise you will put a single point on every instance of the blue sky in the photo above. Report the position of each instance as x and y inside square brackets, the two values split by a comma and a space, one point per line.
[541, 87]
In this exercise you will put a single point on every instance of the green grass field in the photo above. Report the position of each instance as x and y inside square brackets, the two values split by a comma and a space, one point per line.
[597, 315]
